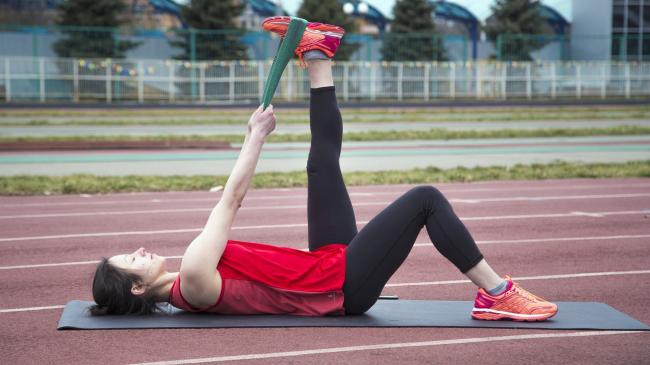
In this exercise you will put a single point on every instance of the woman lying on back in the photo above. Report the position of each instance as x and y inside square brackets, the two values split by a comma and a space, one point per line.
[344, 270]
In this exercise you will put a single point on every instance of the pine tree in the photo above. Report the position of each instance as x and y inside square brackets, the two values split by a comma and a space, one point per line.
[331, 12]
[412, 35]
[512, 19]
[216, 35]
[100, 43]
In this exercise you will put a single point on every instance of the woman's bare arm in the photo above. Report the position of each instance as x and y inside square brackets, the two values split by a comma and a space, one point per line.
[200, 281]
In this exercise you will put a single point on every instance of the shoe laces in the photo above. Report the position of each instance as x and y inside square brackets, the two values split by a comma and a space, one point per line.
[302, 63]
[528, 295]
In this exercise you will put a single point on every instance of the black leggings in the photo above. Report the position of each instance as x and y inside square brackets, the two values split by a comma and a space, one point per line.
[378, 250]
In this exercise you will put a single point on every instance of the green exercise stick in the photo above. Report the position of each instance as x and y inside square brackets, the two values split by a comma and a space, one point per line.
[282, 57]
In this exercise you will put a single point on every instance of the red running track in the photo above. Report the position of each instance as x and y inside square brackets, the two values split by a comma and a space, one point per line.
[594, 233]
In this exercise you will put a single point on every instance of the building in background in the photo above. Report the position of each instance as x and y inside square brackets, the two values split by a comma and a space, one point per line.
[256, 11]
[151, 14]
[592, 30]
[555, 22]
[554, 35]
[454, 19]
[152, 20]
[159, 14]
[611, 29]
[27, 12]
[631, 30]
[144, 13]
[598, 30]
[368, 18]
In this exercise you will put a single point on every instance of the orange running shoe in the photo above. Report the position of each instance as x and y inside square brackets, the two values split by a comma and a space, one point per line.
[515, 303]
[318, 36]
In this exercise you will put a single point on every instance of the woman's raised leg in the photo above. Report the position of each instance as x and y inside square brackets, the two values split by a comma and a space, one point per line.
[330, 215]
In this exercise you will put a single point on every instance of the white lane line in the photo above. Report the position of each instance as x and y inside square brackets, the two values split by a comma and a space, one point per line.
[273, 226]
[73, 263]
[304, 206]
[99, 234]
[425, 283]
[386, 346]
[554, 197]
[160, 211]
[555, 215]
[88, 214]
[593, 215]
[558, 239]
[163, 231]
[542, 277]
[421, 244]
[31, 309]
[304, 196]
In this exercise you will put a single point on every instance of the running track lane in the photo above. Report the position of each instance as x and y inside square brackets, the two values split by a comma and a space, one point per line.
[31, 334]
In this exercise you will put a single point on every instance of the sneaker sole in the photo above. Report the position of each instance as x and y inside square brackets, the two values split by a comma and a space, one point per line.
[492, 315]
[285, 22]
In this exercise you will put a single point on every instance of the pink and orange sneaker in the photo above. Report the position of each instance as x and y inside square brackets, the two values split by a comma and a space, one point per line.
[318, 36]
[515, 303]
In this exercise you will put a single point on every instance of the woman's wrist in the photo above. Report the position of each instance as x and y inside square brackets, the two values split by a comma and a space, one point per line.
[255, 135]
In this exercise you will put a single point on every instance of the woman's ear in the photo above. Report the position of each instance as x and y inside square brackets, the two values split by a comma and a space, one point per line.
[138, 289]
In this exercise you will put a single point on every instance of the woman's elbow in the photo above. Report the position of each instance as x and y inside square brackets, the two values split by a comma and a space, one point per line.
[231, 200]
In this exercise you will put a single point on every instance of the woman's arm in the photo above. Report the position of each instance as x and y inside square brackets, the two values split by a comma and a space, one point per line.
[200, 281]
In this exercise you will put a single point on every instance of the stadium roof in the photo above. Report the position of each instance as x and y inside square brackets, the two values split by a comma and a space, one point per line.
[373, 15]
[261, 7]
[264, 7]
[166, 6]
[554, 18]
[454, 11]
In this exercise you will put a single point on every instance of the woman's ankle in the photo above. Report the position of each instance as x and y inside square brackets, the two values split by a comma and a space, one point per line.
[320, 73]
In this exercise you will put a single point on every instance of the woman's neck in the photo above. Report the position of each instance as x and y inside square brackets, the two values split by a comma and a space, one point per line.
[163, 285]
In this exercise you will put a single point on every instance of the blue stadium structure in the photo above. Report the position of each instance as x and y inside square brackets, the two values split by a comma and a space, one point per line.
[372, 16]
[260, 7]
[164, 6]
[264, 7]
[460, 15]
[555, 20]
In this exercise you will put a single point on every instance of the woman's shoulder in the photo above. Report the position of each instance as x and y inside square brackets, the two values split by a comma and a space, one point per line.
[196, 296]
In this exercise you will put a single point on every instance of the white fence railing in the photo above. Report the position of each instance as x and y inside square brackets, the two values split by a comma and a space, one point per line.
[155, 81]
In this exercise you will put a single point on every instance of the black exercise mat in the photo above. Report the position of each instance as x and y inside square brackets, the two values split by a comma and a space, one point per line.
[386, 313]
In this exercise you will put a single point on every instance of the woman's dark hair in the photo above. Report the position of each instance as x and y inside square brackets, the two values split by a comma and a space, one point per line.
[112, 292]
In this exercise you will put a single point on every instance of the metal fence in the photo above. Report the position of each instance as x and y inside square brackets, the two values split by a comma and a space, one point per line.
[171, 81]
[575, 47]
[194, 44]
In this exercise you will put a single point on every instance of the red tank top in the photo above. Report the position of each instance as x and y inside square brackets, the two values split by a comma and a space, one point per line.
[265, 279]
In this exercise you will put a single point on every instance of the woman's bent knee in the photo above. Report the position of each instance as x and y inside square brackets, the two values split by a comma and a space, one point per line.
[426, 192]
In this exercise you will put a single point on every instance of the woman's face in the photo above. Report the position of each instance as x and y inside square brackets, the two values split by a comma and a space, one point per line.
[147, 265]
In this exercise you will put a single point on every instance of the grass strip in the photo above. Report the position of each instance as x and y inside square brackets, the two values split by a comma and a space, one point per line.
[387, 117]
[90, 184]
[447, 134]
[245, 112]
[430, 134]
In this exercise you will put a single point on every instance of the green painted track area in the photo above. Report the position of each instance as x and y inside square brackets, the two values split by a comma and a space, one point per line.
[98, 157]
